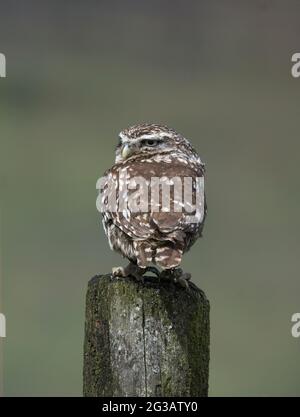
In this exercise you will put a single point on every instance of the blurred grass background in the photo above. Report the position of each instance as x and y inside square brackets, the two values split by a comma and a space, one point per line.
[216, 71]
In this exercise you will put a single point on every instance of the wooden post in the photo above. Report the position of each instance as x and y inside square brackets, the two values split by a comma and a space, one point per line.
[145, 340]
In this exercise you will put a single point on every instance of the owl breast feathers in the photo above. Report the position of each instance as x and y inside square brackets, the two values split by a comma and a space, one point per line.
[155, 169]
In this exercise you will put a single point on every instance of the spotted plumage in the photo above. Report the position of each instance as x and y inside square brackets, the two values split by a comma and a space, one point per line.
[155, 233]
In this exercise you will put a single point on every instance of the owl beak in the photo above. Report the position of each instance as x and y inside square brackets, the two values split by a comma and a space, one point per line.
[127, 151]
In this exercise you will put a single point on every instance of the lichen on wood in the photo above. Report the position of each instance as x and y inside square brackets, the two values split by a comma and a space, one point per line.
[145, 340]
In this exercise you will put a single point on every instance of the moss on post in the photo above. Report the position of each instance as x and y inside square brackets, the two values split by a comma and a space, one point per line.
[145, 340]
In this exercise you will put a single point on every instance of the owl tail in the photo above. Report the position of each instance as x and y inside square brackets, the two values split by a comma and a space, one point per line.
[168, 257]
[143, 253]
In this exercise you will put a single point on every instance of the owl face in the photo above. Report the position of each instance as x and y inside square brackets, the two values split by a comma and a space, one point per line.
[149, 139]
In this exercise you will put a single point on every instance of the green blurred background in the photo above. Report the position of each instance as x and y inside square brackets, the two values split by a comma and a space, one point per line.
[218, 72]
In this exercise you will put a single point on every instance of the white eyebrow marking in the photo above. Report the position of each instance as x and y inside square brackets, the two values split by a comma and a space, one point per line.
[160, 135]
[155, 135]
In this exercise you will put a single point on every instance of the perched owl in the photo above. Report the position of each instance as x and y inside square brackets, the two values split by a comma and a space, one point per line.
[142, 227]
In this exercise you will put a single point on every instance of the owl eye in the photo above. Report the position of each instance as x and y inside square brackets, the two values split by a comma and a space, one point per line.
[150, 142]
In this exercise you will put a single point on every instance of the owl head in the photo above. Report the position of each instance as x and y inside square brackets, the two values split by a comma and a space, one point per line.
[149, 139]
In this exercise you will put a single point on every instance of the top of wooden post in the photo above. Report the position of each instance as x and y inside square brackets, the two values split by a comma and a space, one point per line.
[145, 339]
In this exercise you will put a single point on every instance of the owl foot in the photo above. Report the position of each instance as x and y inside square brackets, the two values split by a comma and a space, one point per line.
[177, 276]
[129, 270]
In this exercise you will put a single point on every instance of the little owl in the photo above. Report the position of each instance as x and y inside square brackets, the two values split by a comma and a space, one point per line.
[146, 231]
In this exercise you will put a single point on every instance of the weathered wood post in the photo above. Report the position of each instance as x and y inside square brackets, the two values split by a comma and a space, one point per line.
[145, 339]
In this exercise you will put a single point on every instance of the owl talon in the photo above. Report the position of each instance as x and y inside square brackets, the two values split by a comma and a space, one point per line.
[118, 271]
[186, 276]
[130, 270]
[182, 282]
[178, 277]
